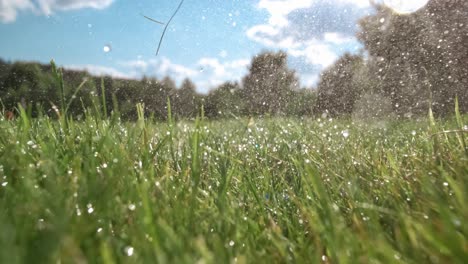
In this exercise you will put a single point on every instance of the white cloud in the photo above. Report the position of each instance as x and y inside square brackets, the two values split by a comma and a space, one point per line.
[206, 73]
[166, 67]
[219, 72]
[49, 6]
[315, 32]
[358, 3]
[316, 53]
[214, 64]
[279, 9]
[337, 38]
[98, 70]
[9, 8]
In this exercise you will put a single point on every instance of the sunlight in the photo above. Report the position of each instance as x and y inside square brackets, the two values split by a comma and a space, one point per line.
[405, 6]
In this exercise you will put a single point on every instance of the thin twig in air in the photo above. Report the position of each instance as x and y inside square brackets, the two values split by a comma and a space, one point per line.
[165, 28]
[154, 20]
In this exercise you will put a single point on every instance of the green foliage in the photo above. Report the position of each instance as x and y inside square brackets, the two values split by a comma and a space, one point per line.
[268, 85]
[338, 88]
[56, 90]
[418, 56]
[226, 101]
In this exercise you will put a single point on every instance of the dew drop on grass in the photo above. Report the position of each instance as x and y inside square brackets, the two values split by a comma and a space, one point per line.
[131, 207]
[446, 184]
[345, 133]
[129, 251]
[99, 230]
[90, 208]
[324, 258]
[413, 133]
[231, 243]
[4, 184]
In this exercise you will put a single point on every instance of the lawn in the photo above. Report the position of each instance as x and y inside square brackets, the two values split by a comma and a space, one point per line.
[272, 190]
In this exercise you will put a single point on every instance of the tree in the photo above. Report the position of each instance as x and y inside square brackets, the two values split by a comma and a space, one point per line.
[302, 102]
[224, 101]
[25, 83]
[338, 88]
[421, 57]
[269, 83]
[186, 102]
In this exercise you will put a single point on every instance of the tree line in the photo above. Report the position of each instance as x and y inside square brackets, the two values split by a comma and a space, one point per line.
[408, 63]
[271, 88]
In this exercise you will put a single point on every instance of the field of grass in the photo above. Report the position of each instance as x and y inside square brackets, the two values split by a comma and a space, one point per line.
[239, 191]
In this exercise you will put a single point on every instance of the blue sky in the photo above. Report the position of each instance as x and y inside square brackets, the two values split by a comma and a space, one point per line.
[209, 41]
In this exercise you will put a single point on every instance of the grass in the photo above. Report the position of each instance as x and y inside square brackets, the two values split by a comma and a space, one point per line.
[276, 190]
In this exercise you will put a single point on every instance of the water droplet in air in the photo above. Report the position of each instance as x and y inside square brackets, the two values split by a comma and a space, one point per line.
[4, 184]
[107, 48]
[231, 243]
[446, 184]
[382, 20]
[413, 133]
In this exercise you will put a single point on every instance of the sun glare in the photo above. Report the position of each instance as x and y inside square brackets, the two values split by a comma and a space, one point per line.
[405, 6]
